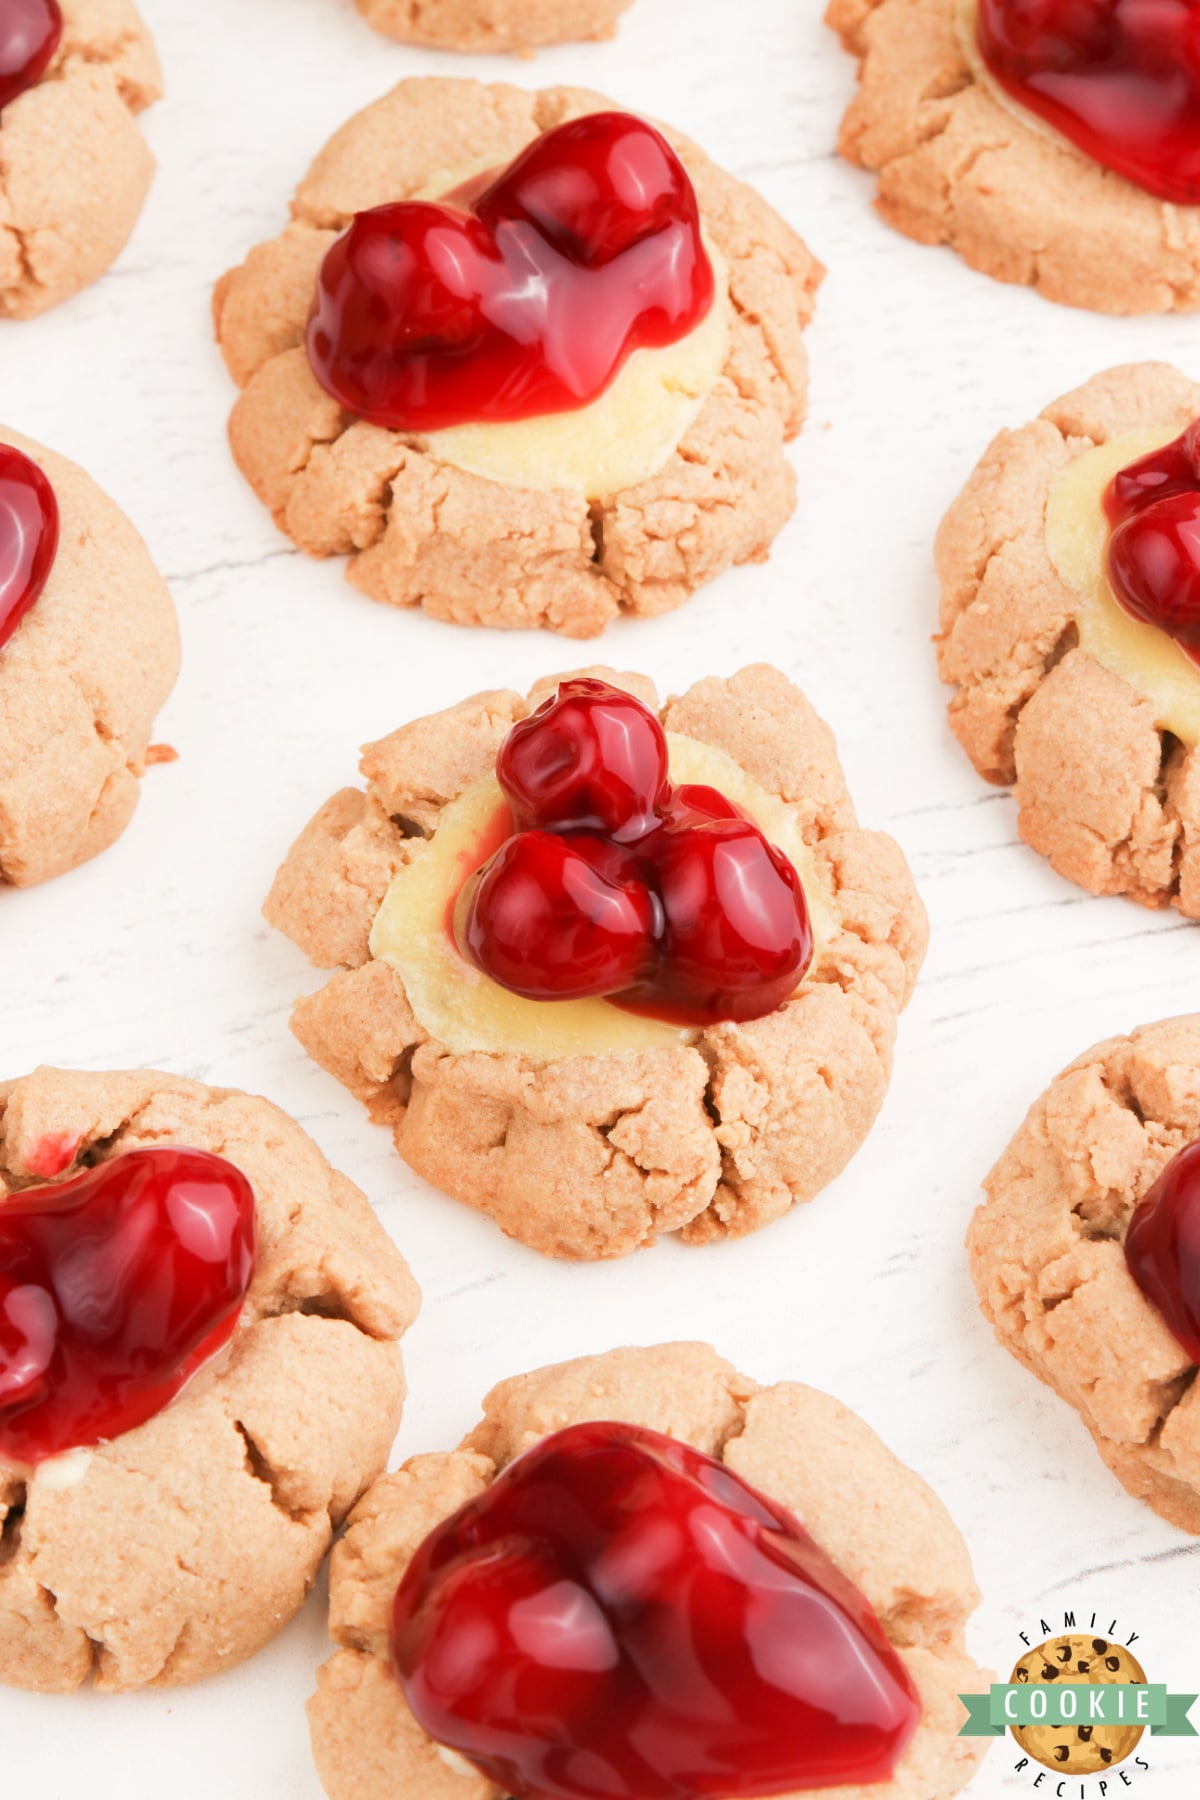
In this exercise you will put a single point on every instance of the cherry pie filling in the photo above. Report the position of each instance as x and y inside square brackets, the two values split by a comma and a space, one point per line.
[116, 1287]
[28, 537]
[1120, 79]
[1153, 557]
[1162, 1247]
[519, 294]
[617, 883]
[620, 1617]
[30, 33]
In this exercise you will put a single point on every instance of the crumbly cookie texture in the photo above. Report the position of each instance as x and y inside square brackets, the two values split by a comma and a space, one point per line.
[1110, 799]
[1021, 204]
[74, 166]
[493, 25]
[591, 1157]
[885, 1530]
[420, 532]
[185, 1545]
[81, 680]
[1048, 1259]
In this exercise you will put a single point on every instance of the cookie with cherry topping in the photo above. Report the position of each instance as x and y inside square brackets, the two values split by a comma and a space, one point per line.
[181, 1546]
[1092, 716]
[500, 536]
[878, 1524]
[84, 669]
[1076, 1269]
[592, 1142]
[74, 166]
[960, 162]
[492, 26]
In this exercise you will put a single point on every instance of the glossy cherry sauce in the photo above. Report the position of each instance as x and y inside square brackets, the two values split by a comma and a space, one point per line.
[116, 1286]
[1153, 556]
[618, 884]
[1162, 1247]
[619, 1617]
[1119, 78]
[520, 294]
[28, 537]
[30, 33]
[563, 915]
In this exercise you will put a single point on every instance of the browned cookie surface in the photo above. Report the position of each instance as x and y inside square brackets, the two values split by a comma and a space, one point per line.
[493, 25]
[422, 531]
[1047, 1254]
[81, 680]
[878, 1521]
[591, 1156]
[1105, 789]
[180, 1548]
[74, 166]
[958, 166]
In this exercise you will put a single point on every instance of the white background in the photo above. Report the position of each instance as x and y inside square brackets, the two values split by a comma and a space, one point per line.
[156, 955]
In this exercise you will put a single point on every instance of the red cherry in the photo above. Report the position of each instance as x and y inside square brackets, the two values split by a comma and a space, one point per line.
[28, 537]
[521, 299]
[1154, 566]
[591, 758]
[707, 922]
[691, 803]
[594, 188]
[1162, 1247]
[620, 1616]
[1119, 78]
[51, 1154]
[28, 1330]
[560, 918]
[736, 933]
[1175, 469]
[30, 33]
[115, 1288]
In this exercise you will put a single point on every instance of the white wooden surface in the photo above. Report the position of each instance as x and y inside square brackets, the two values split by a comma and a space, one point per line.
[156, 954]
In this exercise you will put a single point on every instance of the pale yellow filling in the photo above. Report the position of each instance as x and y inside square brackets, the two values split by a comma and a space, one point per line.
[58, 1474]
[1077, 532]
[621, 439]
[465, 1010]
[457, 1765]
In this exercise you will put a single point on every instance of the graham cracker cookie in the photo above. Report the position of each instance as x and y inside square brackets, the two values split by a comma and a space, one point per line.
[589, 1155]
[180, 1547]
[421, 530]
[1097, 746]
[959, 165]
[81, 678]
[1048, 1256]
[74, 166]
[881, 1526]
[493, 26]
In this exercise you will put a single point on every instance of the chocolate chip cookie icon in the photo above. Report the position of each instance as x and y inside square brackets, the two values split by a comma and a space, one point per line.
[1080, 1748]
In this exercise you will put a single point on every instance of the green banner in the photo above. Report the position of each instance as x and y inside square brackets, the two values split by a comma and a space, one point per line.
[1078, 1703]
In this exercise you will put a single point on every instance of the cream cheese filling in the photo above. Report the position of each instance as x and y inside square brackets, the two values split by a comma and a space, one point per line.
[458, 1765]
[626, 435]
[58, 1474]
[1077, 533]
[466, 1011]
